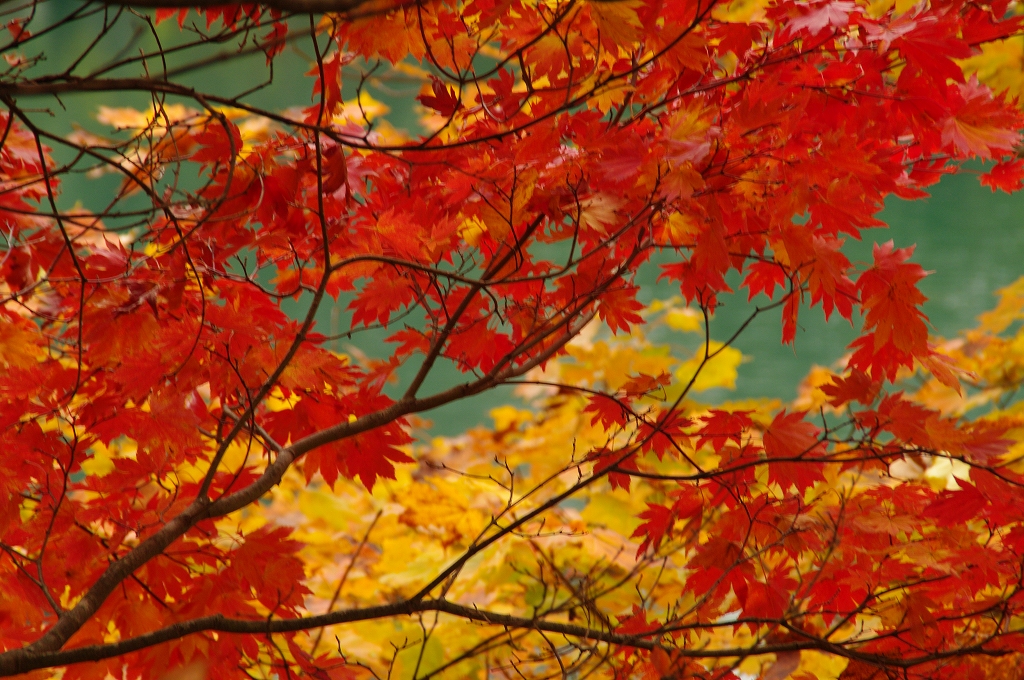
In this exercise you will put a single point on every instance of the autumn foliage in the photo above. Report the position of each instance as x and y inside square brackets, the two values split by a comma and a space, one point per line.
[201, 478]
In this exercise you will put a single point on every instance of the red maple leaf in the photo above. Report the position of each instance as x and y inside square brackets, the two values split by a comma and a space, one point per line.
[657, 524]
[618, 464]
[764, 277]
[366, 456]
[618, 308]
[858, 386]
[791, 437]
[816, 18]
[379, 298]
[931, 43]
[978, 123]
[953, 508]
[891, 302]
[721, 427]
[636, 623]
[1008, 176]
[443, 99]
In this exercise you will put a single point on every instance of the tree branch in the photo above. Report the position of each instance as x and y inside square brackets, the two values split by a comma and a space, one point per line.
[222, 624]
[289, 6]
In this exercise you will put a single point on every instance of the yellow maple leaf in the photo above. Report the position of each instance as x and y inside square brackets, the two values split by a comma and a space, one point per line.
[20, 345]
[1000, 65]
[684, 319]
[719, 371]
[740, 11]
[617, 21]
[1009, 309]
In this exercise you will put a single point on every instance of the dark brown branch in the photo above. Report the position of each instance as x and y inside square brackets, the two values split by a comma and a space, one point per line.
[290, 6]
[223, 624]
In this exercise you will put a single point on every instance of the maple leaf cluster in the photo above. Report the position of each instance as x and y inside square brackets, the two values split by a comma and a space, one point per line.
[199, 473]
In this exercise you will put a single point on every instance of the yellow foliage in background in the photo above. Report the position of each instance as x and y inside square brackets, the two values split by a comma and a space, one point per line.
[362, 548]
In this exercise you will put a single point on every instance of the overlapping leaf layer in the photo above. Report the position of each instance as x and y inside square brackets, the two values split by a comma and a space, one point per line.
[193, 469]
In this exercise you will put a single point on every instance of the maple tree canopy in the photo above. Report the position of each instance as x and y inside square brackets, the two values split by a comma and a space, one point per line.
[200, 481]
